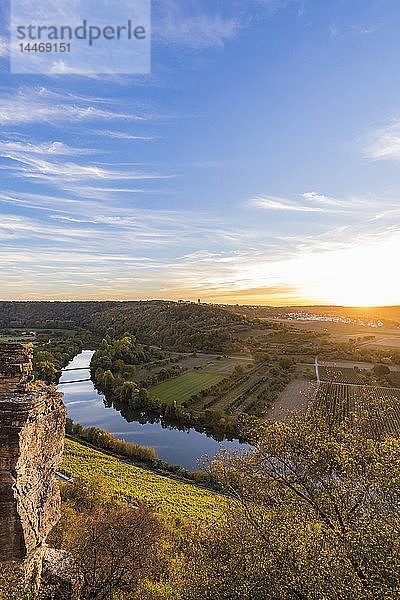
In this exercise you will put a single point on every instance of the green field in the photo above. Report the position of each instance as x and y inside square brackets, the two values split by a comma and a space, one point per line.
[183, 387]
[134, 485]
[17, 333]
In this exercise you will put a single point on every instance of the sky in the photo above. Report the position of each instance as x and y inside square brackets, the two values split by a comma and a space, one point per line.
[257, 163]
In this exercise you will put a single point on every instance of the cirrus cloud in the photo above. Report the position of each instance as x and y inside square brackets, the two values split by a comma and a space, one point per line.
[384, 144]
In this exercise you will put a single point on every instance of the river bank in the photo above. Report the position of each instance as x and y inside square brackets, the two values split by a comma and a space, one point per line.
[175, 446]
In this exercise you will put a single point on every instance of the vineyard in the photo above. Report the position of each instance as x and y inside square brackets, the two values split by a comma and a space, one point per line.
[334, 401]
[253, 392]
[139, 486]
[379, 407]
[340, 375]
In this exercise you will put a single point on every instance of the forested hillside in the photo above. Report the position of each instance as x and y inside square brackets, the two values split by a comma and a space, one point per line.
[181, 327]
[49, 315]
[167, 324]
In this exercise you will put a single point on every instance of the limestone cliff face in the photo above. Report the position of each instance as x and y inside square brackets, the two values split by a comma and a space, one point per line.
[32, 422]
[15, 367]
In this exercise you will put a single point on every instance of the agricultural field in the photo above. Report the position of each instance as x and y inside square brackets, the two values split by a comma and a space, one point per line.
[340, 375]
[384, 341]
[29, 335]
[138, 486]
[16, 336]
[387, 336]
[335, 401]
[395, 377]
[245, 385]
[226, 365]
[378, 406]
[230, 397]
[252, 392]
[253, 382]
[346, 364]
[179, 389]
[297, 397]
[209, 363]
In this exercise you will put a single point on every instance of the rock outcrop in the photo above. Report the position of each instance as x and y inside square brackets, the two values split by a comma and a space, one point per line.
[60, 572]
[32, 423]
[15, 367]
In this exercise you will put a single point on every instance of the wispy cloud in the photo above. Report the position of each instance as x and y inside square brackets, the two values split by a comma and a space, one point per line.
[189, 23]
[4, 47]
[357, 29]
[65, 172]
[275, 203]
[322, 199]
[384, 143]
[121, 224]
[10, 149]
[186, 22]
[31, 161]
[275, 5]
[14, 226]
[359, 209]
[120, 135]
[60, 67]
[45, 162]
[40, 105]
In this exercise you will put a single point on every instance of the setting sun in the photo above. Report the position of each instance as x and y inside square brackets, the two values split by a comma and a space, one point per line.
[360, 276]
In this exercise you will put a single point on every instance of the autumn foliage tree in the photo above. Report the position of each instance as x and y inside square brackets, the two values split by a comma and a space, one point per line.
[111, 546]
[315, 516]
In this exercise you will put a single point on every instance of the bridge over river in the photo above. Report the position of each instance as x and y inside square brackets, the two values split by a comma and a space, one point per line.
[68, 370]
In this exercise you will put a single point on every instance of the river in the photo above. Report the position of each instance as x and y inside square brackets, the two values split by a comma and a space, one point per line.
[86, 406]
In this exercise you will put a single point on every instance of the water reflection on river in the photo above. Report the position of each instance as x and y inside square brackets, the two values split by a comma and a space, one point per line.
[89, 408]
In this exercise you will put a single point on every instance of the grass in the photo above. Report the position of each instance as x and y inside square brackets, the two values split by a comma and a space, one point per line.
[17, 335]
[134, 485]
[9, 338]
[183, 387]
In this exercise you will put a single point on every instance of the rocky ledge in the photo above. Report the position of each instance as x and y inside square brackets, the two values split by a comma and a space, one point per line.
[32, 422]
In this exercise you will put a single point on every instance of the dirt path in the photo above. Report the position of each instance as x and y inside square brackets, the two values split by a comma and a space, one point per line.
[316, 369]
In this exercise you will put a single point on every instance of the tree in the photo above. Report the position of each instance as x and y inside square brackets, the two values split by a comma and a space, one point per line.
[77, 429]
[315, 515]
[45, 371]
[285, 362]
[128, 391]
[129, 371]
[112, 546]
[238, 371]
[380, 370]
[108, 380]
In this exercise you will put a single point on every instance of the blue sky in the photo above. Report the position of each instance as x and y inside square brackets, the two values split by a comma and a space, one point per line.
[257, 163]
